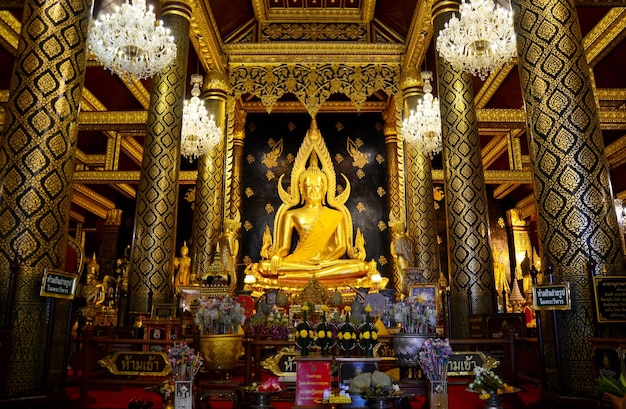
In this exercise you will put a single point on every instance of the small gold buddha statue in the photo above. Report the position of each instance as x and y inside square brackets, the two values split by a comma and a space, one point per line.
[319, 221]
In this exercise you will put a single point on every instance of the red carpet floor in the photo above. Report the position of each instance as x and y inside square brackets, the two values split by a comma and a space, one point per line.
[118, 397]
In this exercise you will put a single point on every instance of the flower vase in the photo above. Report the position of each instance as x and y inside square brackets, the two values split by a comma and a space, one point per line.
[379, 402]
[493, 402]
[369, 352]
[438, 395]
[183, 397]
[261, 400]
[168, 403]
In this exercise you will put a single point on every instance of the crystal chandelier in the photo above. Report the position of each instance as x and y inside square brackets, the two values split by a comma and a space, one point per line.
[131, 42]
[481, 41]
[423, 126]
[199, 132]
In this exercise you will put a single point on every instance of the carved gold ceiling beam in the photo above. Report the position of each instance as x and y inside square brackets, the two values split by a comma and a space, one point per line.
[133, 149]
[499, 118]
[77, 217]
[616, 152]
[487, 118]
[140, 92]
[495, 177]
[419, 36]
[112, 120]
[527, 206]
[605, 36]
[89, 193]
[9, 31]
[126, 190]
[612, 119]
[494, 148]
[105, 177]
[263, 12]
[491, 85]
[611, 98]
[90, 200]
[205, 38]
[501, 191]
[324, 53]
[328, 106]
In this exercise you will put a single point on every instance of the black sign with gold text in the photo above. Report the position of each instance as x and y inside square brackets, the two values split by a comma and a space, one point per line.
[610, 298]
[137, 363]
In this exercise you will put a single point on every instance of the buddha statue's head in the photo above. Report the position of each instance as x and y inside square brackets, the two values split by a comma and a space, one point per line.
[313, 182]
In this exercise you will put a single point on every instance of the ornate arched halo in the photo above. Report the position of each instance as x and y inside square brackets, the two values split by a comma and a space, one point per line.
[313, 146]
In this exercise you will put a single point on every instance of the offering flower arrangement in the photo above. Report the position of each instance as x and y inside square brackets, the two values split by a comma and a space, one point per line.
[167, 389]
[368, 334]
[415, 315]
[271, 385]
[258, 323]
[324, 333]
[305, 336]
[219, 315]
[185, 362]
[433, 358]
[277, 325]
[346, 338]
[487, 383]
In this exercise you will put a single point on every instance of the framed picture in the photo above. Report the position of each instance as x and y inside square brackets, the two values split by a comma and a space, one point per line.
[429, 300]
[163, 311]
[427, 292]
[188, 297]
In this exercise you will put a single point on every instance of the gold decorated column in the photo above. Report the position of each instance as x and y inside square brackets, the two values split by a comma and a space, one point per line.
[209, 204]
[469, 254]
[154, 240]
[576, 220]
[422, 220]
[395, 196]
[235, 187]
[37, 150]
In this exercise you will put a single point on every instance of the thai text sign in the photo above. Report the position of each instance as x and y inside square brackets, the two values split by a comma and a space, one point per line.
[313, 379]
[551, 296]
[610, 298]
[282, 363]
[58, 284]
[463, 363]
[137, 363]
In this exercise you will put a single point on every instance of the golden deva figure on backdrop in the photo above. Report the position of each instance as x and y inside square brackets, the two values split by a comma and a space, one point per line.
[402, 253]
[318, 218]
[228, 247]
[182, 267]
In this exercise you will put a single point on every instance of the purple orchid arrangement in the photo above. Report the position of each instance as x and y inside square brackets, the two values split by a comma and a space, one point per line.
[433, 358]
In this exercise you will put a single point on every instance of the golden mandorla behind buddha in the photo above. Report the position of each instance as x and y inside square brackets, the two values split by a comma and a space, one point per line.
[317, 218]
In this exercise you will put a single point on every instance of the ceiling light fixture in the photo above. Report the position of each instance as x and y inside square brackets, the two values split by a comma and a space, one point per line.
[131, 42]
[199, 132]
[423, 126]
[481, 41]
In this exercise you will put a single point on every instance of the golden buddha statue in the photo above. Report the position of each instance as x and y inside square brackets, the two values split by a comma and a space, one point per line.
[319, 220]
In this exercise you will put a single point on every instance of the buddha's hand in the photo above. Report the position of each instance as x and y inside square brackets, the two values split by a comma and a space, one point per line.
[275, 263]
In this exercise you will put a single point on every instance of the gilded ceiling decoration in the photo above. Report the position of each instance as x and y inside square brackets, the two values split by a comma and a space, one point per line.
[314, 83]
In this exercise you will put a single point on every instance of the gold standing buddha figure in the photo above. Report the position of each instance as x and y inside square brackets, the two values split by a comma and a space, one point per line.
[318, 220]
